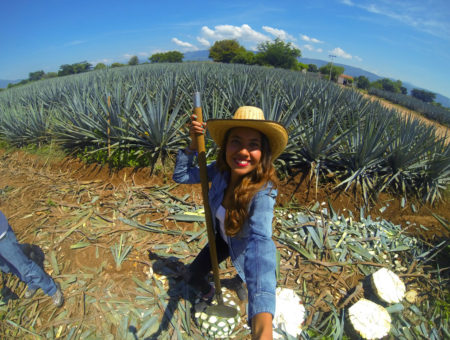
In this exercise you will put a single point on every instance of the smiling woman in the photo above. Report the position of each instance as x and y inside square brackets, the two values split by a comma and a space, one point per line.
[241, 198]
[243, 152]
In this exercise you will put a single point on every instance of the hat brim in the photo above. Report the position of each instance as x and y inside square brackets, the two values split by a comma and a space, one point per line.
[275, 132]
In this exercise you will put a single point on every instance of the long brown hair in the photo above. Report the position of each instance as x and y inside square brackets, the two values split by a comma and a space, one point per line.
[250, 184]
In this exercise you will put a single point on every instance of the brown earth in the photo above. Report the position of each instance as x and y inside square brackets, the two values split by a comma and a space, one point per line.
[69, 169]
[59, 204]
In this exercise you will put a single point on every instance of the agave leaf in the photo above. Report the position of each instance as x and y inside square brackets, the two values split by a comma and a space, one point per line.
[80, 245]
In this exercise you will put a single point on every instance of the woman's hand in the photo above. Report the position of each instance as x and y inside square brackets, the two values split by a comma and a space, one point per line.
[195, 128]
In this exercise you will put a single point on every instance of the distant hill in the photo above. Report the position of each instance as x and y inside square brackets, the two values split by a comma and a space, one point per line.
[196, 56]
[4, 83]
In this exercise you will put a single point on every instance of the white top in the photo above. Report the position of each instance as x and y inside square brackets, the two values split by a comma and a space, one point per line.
[220, 215]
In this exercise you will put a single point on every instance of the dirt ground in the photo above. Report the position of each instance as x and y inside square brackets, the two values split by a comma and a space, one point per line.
[60, 204]
[388, 206]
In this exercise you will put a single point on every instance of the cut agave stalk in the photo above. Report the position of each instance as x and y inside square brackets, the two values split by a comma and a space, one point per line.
[216, 326]
[369, 320]
[289, 314]
[387, 286]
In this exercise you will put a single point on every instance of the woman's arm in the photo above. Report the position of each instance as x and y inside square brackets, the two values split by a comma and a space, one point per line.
[185, 172]
[262, 327]
[260, 262]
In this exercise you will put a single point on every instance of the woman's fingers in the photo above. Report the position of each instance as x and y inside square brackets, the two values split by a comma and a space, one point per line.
[197, 127]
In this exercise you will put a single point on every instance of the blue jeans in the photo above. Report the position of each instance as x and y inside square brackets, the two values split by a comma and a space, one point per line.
[13, 260]
[201, 265]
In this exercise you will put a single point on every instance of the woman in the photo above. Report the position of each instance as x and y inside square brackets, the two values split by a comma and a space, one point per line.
[242, 198]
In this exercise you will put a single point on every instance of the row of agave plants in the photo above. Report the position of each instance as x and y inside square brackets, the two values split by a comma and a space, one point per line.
[433, 112]
[141, 112]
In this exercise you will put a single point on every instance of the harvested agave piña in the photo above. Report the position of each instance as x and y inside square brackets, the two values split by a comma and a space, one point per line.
[219, 327]
[387, 286]
[369, 320]
[289, 314]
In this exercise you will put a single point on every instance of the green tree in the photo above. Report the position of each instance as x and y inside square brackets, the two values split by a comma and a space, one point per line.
[388, 85]
[99, 66]
[300, 66]
[244, 57]
[65, 70]
[113, 65]
[49, 75]
[313, 68]
[133, 61]
[278, 54]
[423, 95]
[167, 57]
[81, 67]
[362, 82]
[224, 51]
[32, 76]
[336, 71]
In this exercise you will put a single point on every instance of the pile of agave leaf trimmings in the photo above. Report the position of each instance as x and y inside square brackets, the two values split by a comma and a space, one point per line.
[345, 240]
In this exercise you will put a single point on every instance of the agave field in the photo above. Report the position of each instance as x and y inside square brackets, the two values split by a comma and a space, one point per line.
[119, 245]
[135, 116]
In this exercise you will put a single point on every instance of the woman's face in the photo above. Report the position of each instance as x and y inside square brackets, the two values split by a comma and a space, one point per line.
[243, 151]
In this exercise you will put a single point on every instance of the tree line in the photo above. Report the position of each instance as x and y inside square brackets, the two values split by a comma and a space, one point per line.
[276, 53]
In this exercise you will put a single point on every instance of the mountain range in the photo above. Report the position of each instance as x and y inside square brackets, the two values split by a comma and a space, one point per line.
[348, 70]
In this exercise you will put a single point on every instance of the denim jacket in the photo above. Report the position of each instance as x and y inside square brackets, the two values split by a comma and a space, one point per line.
[3, 225]
[252, 251]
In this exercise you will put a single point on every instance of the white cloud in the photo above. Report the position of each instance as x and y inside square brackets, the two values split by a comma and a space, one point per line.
[139, 54]
[75, 42]
[312, 48]
[347, 2]
[278, 33]
[203, 41]
[339, 52]
[104, 61]
[357, 58]
[157, 50]
[185, 45]
[413, 13]
[308, 39]
[244, 34]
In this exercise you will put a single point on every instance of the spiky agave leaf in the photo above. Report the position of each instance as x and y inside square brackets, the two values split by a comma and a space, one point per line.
[362, 153]
[412, 144]
[157, 127]
[23, 125]
[436, 174]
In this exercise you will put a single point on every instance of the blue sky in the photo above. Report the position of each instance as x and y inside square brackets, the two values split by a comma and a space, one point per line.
[406, 40]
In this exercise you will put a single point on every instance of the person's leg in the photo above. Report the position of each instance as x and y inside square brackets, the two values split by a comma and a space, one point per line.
[4, 268]
[21, 266]
[201, 266]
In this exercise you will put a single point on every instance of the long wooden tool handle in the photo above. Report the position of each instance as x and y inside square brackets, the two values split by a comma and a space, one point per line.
[205, 188]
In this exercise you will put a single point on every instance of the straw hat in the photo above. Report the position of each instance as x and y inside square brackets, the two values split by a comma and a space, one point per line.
[251, 117]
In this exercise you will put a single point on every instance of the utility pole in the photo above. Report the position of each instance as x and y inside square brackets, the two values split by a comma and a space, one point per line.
[331, 67]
